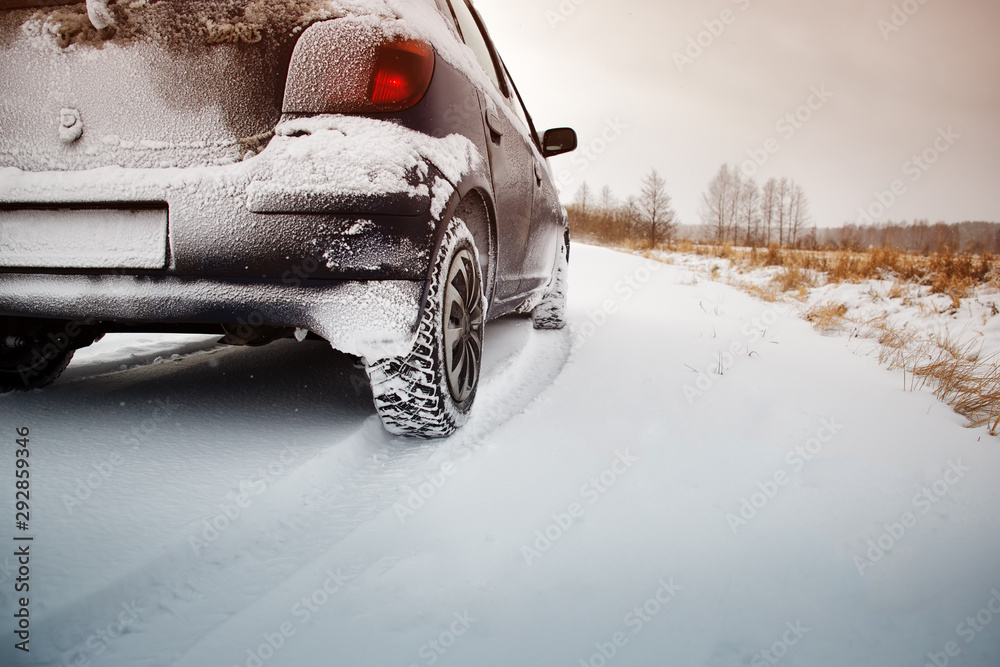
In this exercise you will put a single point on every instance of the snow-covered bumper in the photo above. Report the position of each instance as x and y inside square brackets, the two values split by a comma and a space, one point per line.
[372, 319]
[330, 197]
[331, 228]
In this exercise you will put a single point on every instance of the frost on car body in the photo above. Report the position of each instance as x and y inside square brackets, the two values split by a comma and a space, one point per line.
[265, 169]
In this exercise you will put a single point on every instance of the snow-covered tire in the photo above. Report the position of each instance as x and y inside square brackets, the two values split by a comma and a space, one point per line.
[429, 392]
[25, 364]
[551, 312]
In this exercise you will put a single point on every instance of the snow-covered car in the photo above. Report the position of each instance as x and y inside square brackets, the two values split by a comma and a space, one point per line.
[361, 172]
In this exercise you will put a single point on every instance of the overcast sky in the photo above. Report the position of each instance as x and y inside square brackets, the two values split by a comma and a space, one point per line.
[612, 67]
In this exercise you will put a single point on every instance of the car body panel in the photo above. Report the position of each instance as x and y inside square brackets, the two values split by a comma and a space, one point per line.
[274, 218]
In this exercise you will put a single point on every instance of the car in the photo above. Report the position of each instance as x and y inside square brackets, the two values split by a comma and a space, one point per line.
[263, 171]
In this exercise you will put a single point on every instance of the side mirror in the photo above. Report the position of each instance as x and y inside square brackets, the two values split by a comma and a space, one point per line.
[558, 141]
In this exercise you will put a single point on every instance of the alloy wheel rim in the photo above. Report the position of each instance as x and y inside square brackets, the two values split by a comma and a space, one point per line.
[463, 327]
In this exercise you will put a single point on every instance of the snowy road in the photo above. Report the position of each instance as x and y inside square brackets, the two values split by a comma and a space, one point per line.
[613, 501]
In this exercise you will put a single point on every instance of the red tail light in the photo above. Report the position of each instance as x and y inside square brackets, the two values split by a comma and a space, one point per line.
[345, 67]
[403, 74]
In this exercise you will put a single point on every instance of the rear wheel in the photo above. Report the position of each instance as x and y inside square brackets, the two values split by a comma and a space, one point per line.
[429, 392]
[32, 358]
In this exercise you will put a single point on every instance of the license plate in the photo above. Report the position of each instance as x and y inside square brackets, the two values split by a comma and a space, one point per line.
[83, 238]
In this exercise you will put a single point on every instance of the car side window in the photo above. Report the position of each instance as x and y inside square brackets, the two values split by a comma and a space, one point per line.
[476, 41]
[516, 104]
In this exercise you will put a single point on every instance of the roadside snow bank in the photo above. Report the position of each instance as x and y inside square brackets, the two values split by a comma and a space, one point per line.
[941, 342]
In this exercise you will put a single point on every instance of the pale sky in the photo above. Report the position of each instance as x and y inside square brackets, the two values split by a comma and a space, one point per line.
[610, 67]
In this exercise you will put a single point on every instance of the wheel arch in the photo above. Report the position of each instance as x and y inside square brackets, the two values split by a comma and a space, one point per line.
[473, 204]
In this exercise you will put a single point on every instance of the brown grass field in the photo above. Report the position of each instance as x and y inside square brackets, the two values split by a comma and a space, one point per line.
[956, 371]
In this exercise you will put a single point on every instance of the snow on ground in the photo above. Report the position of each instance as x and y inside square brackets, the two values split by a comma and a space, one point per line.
[904, 305]
[613, 501]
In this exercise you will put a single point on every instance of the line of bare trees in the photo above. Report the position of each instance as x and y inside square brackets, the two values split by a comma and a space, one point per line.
[735, 209]
[648, 219]
[917, 236]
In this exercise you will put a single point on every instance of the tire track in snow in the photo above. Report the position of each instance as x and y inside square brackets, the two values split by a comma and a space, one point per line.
[198, 600]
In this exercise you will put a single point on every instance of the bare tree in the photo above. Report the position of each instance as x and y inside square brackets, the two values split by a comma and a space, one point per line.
[749, 210]
[768, 207]
[606, 199]
[583, 199]
[657, 212]
[628, 218]
[606, 215]
[782, 203]
[716, 203]
[799, 212]
[733, 214]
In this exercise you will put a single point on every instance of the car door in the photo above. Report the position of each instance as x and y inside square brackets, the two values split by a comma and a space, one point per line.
[512, 162]
[547, 220]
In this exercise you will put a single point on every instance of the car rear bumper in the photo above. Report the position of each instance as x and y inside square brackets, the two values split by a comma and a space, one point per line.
[321, 231]
[325, 205]
[215, 229]
[373, 319]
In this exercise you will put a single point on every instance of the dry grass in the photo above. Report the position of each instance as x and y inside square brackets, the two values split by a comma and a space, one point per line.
[978, 396]
[828, 318]
[793, 278]
[686, 247]
[965, 380]
[957, 372]
[725, 251]
[954, 275]
[767, 293]
[897, 345]
[945, 273]
[957, 275]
